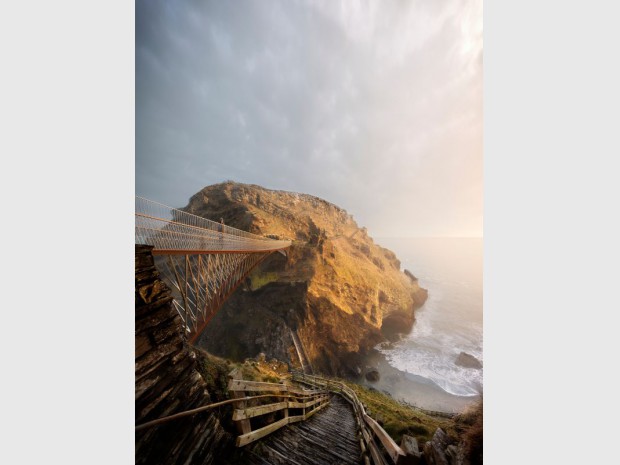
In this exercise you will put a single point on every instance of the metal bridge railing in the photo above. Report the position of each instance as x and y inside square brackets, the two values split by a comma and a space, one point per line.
[168, 228]
[202, 261]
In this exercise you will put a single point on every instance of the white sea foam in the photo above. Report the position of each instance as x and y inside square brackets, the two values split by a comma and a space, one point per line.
[450, 322]
[437, 367]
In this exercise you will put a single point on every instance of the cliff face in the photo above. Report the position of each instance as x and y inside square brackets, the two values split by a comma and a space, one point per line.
[338, 290]
[167, 380]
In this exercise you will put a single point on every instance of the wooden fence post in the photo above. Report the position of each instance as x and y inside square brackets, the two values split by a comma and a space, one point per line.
[243, 426]
[288, 400]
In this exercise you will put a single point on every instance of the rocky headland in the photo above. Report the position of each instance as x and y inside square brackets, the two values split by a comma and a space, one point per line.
[336, 290]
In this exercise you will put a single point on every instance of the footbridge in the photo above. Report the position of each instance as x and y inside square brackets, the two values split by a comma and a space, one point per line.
[203, 261]
[305, 420]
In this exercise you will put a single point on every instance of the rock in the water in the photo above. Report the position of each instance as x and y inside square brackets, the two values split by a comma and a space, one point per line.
[468, 361]
[372, 375]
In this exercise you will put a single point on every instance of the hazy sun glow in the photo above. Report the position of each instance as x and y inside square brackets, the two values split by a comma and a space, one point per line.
[374, 106]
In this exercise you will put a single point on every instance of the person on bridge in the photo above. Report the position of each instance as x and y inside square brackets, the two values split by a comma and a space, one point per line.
[221, 228]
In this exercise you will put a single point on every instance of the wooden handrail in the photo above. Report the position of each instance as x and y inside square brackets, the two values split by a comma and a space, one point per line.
[250, 412]
[394, 451]
[369, 428]
[247, 438]
[243, 385]
[308, 401]
[187, 413]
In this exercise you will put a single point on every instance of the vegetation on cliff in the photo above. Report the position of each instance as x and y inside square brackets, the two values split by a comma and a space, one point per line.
[469, 426]
[337, 290]
[172, 377]
[395, 417]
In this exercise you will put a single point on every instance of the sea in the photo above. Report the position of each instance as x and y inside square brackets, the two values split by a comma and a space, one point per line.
[422, 368]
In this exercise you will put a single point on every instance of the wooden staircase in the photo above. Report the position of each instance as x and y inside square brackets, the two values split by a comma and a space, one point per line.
[329, 437]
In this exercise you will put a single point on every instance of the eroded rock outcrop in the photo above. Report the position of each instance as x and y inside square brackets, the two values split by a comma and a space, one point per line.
[167, 381]
[445, 450]
[435, 450]
[336, 288]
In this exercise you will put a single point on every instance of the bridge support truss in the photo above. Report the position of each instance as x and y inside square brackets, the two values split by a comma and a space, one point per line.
[202, 261]
[202, 282]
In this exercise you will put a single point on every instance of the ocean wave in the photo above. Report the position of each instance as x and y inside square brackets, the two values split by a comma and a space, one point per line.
[438, 367]
[450, 321]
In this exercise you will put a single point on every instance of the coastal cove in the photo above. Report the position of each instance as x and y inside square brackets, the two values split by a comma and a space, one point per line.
[290, 160]
[339, 293]
[435, 366]
[336, 304]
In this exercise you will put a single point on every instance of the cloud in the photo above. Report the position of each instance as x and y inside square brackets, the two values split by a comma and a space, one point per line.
[375, 106]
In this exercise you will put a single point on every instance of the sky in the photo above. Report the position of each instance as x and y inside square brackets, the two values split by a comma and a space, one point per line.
[373, 106]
